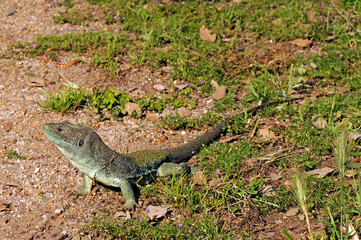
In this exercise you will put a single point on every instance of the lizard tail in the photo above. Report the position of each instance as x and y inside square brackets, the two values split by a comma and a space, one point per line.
[185, 151]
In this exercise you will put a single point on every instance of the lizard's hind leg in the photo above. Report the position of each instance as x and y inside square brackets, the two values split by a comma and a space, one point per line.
[170, 169]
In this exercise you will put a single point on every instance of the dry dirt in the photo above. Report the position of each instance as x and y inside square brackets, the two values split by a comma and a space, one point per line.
[36, 200]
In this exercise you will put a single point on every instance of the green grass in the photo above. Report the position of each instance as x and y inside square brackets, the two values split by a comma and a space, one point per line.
[254, 57]
[14, 154]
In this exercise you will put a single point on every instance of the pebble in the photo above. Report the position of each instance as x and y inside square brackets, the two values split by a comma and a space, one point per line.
[159, 87]
[11, 12]
[313, 65]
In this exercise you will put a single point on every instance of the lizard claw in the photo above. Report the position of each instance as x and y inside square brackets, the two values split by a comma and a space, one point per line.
[130, 204]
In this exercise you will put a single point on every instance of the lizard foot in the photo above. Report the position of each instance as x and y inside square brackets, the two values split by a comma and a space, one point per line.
[130, 204]
[82, 192]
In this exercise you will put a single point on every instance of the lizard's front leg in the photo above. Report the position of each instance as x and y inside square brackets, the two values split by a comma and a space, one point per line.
[87, 185]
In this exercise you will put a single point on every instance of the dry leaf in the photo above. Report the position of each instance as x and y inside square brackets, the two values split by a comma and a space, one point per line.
[266, 133]
[341, 89]
[275, 176]
[356, 136]
[214, 84]
[268, 191]
[199, 178]
[302, 42]
[291, 212]
[311, 16]
[321, 172]
[320, 122]
[219, 93]
[155, 212]
[206, 35]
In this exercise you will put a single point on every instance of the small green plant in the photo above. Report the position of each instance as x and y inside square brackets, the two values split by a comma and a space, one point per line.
[68, 99]
[111, 100]
[74, 16]
[342, 157]
[299, 187]
[14, 154]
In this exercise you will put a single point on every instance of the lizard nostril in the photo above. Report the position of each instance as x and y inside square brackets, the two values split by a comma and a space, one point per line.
[60, 129]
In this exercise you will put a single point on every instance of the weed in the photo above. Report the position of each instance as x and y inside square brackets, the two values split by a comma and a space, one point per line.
[68, 99]
[14, 154]
[74, 16]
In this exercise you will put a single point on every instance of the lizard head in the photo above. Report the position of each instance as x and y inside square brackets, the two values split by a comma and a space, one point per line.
[74, 141]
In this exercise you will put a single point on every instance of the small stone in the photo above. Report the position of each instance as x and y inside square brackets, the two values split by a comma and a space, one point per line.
[219, 93]
[58, 211]
[36, 170]
[37, 82]
[154, 117]
[159, 87]
[181, 86]
[165, 113]
[7, 126]
[119, 214]
[148, 88]
[184, 112]
[131, 107]
[313, 65]
[11, 12]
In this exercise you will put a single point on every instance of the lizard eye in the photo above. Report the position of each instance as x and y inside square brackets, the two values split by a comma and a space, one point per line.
[81, 142]
[60, 129]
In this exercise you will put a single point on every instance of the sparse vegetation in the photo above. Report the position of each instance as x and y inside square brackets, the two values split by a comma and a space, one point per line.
[254, 52]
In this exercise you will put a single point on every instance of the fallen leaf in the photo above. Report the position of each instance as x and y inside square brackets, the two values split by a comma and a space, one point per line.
[266, 133]
[277, 21]
[275, 176]
[356, 136]
[214, 182]
[214, 84]
[268, 191]
[155, 212]
[287, 184]
[321, 172]
[311, 16]
[206, 35]
[220, 93]
[199, 178]
[320, 122]
[291, 212]
[302, 42]
[119, 214]
[330, 38]
[341, 89]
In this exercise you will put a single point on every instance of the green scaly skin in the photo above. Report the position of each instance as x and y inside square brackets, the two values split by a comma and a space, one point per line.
[85, 149]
